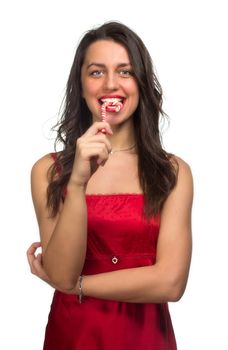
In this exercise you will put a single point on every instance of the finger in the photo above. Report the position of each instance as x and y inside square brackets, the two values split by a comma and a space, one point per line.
[92, 142]
[99, 138]
[31, 255]
[33, 247]
[31, 264]
[38, 266]
[39, 270]
[98, 127]
[102, 158]
[39, 258]
[103, 163]
[95, 151]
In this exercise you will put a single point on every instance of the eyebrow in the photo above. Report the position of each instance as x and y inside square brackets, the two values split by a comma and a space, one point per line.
[102, 65]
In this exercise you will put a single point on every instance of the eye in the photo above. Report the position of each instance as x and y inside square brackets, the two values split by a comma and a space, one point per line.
[96, 73]
[126, 73]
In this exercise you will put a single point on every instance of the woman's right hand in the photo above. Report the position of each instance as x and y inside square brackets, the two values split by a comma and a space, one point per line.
[35, 262]
[92, 150]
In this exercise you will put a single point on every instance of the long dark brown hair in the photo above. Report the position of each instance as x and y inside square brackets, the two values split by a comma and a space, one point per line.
[156, 170]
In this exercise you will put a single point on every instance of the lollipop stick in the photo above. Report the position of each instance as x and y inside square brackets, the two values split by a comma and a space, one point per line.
[103, 114]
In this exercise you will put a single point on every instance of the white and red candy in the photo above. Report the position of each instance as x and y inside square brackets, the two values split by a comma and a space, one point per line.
[110, 105]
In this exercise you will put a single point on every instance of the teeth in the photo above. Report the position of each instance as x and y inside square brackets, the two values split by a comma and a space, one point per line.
[113, 100]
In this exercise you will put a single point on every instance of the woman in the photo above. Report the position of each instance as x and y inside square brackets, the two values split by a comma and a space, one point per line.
[113, 208]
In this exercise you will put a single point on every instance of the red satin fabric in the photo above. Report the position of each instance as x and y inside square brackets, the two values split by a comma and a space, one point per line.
[118, 238]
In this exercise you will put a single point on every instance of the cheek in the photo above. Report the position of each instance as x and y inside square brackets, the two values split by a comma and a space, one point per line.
[89, 90]
[132, 88]
[87, 87]
[136, 102]
[135, 93]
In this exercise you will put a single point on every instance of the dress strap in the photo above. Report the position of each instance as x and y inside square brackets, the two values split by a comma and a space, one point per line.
[53, 155]
[56, 163]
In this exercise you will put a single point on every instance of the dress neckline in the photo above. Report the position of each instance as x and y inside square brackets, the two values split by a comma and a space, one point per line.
[114, 194]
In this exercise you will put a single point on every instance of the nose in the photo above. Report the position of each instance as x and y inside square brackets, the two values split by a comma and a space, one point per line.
[111, 81]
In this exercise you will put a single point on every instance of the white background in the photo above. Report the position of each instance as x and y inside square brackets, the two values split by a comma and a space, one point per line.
[188, 43]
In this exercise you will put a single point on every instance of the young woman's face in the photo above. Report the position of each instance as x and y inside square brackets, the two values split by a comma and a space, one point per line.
[106, 73]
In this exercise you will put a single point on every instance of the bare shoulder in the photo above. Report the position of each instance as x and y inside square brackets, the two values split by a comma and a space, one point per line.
[41, 166]
[176, 211]
[184, 185]
[39, 184]
[184, 171]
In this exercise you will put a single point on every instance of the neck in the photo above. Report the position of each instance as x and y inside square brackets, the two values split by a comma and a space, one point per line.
[123, 136]
[127, 149]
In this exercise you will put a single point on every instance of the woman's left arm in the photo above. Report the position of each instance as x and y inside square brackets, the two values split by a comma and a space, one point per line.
[166, 279]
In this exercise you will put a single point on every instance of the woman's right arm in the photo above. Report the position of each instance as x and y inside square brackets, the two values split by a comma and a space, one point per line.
[64, 237]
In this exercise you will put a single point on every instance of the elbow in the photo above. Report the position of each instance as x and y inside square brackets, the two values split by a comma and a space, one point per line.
[175, 290]
[175, 295]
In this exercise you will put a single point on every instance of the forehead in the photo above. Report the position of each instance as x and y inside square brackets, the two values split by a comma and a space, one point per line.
[106, 52]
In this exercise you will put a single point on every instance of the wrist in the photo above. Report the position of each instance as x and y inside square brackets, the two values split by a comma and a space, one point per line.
[75, 186]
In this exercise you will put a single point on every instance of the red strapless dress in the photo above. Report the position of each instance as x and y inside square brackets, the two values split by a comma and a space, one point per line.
[118, 238]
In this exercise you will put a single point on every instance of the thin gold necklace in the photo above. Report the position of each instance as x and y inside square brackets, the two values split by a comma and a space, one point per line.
[122, 149]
